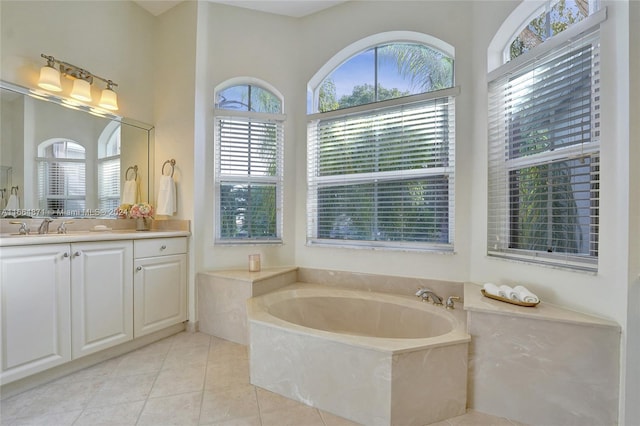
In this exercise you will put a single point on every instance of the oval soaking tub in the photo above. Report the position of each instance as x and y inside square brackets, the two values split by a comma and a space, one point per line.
[374, 358]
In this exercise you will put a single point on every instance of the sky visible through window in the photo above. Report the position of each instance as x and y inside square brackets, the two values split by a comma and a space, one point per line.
[359, 70]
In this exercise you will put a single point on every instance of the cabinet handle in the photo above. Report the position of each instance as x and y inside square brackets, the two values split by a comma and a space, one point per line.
[65, 254]
[163, 247]
[139, 268]
[76, 254]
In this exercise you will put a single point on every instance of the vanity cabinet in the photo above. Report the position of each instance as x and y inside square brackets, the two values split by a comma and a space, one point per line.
[63, 301]
[35, 315]
[101, 295]
[159, 284]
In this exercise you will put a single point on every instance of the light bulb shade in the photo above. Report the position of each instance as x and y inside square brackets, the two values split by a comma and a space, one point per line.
[81, 90]
[109, 100]
[50, 79]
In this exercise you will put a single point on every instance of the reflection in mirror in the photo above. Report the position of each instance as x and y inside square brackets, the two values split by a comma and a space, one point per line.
[63, 160]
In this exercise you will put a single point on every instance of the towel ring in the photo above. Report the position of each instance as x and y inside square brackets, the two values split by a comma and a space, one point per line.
[135, 172]
[172, 163]
[14, 190]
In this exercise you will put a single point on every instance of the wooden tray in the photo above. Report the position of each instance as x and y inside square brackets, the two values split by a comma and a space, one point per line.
[504, 299]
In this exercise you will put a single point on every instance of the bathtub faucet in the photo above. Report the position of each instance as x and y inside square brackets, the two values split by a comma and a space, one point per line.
[425, 293]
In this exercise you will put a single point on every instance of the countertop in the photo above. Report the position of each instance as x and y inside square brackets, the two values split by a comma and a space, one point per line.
[475, 301]
[13, 239]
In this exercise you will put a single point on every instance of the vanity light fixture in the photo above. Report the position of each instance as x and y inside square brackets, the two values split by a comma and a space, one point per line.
[82, 80]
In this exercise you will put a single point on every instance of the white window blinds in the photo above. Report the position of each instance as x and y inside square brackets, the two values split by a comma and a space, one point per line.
[384, 176]
[544, 118]
[62, 178]
[249, 165]
[109, 184]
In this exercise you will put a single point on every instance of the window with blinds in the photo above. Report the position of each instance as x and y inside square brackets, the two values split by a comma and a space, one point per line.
[544, 118]
[61, 178]
[109, 173]
[383, 174]
[248, 165]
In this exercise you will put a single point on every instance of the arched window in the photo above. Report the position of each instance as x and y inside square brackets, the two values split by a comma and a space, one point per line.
[249, 144]
[61, 177]
[381, 145]
[549, 20]
[544, 139]
[109, 168]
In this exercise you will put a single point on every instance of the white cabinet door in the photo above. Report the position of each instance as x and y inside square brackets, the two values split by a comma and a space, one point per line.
[35, 322]
[160, 293]
[101, 295]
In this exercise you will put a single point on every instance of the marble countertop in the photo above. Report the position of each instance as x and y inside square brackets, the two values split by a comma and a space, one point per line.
[475, 301]
[13, 239]
[245, 275]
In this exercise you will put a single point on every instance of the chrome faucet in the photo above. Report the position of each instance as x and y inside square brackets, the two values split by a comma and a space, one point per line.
[24, 229]
[450, 301]
[44, 226]
[425, 293]
[62, 228]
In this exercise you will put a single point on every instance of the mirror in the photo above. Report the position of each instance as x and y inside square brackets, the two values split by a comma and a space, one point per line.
[59, 159]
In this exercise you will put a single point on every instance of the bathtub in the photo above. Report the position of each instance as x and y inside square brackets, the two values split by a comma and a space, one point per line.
[374, 358]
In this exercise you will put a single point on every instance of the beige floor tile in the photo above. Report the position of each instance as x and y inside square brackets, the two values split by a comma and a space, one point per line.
[224, 350]
[223, 377]
[15, 406]
[270, 401]
[119, 390]
[180, 410]
[475, 418]
[59, 397]
[99, 371]
[51, 419]
[295, 416]
[191, 339]
[236, 403]
[160, 347]
[118, 414]
[179, 355]
[245, 421]
[333, 420]
[136, 363]
[187, 378]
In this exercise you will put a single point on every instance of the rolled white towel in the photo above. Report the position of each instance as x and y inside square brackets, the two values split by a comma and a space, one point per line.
[508, 293]
[492, 289]
[524, 295]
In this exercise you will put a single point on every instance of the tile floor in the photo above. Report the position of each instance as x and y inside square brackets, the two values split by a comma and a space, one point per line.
[186, 379]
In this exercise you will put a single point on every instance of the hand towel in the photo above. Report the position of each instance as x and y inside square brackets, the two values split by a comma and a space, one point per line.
[491, 289]
[130, 192]
[524, 295]
[13, 203]
[508, 293]
[166, 196]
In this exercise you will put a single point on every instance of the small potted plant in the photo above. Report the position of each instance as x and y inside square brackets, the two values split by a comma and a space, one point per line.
[143, 214]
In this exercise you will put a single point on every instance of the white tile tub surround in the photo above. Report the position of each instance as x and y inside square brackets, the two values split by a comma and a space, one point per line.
[415, 380]
[222, 298]
[541, 366]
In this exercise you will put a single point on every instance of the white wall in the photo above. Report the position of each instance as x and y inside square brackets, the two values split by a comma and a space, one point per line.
[112, 39]
[243, 43]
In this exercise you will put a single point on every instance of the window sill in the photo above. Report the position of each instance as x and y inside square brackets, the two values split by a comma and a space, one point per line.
[361, 245]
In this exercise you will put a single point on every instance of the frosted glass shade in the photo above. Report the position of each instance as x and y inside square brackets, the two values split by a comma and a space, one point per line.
[109, 100]
[81, 90]
[50, 79]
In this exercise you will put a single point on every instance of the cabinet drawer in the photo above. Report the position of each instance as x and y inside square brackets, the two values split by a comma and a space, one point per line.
[159, 247]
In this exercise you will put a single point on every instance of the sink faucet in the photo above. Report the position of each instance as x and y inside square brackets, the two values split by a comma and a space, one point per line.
[425, 293]
[24, 229]
[62, 228]
[44, 226]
